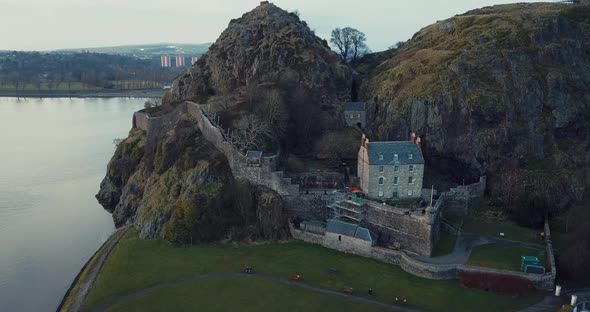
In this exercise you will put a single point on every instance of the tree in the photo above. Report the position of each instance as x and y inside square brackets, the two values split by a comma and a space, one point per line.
[350, 42]
[251, 133]
[272, 109]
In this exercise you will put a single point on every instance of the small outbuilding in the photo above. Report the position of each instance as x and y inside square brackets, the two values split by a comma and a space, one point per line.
[349, 237]
[253, 158]
[355, 114]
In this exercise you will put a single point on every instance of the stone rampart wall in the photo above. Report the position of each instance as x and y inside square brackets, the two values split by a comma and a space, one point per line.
[461, 199]
[310, 180]
[407, 230]
[265, 174]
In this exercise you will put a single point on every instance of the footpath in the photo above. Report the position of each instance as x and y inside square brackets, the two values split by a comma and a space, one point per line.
[74, 298]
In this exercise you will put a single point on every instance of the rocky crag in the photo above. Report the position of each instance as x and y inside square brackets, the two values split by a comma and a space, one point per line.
[497, 91]
[175, 184]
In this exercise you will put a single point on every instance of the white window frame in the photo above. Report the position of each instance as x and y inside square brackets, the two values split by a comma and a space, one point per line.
[411, 180]
[381, 169]
[351, 115]
[410, 193]
[395, 157]
[380, 193]
[395, 168]
[395, 180]
[411, 168]
[381, 180]
[380, 156]
[410, 156]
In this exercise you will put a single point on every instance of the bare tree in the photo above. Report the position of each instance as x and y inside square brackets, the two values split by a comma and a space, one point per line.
[350, 42]
[272, 109]
[251, 133]
[152, 103]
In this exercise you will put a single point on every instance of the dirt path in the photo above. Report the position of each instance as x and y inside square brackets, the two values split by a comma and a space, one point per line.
[74, 298]
[252, 276]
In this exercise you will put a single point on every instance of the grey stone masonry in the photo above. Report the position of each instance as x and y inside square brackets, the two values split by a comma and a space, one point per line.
[390, 170]
[265, 173]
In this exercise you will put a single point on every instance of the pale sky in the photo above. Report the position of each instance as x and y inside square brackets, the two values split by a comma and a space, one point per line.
[57, 24]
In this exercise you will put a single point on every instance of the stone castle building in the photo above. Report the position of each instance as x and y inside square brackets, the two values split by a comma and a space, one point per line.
[355, 114]
[391, 170]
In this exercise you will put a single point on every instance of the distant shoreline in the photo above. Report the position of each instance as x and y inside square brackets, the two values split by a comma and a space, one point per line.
[137, 93]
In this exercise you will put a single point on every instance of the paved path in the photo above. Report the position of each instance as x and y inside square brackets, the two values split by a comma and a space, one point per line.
[466, 242]
[85, 281]
[334, 293]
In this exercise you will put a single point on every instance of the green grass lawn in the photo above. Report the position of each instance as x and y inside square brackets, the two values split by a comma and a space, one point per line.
[135, 264]
[510, 230]
[445, 244]
[503, 256]
[235, 294]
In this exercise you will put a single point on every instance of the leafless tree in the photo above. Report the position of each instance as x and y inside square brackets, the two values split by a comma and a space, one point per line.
[272, 109]
[251, 133]
[350, 42]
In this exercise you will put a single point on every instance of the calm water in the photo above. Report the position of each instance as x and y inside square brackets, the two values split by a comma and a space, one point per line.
[53, 155]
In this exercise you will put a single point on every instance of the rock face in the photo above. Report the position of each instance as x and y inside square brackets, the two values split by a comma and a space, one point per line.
[181, 192]
[265, 46]
[489, 91]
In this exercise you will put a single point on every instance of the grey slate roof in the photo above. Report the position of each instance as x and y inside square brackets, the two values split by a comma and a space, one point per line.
[352, 230]
[354, 106]
[253, 154]
[388, 149]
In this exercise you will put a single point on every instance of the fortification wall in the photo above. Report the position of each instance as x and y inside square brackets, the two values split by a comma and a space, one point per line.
[539, 281]
[461, 199]
[412, 233]
[348, 244]
[310, 180]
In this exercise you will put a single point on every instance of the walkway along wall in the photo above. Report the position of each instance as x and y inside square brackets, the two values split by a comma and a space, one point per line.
[461, 199]
[266, 174]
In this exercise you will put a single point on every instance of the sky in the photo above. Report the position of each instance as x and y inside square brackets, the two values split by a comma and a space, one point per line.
[60, 24]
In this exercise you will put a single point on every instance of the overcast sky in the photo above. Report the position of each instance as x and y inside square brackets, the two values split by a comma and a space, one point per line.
[56, 24]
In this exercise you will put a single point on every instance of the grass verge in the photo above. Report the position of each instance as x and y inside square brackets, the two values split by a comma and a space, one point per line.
[503, 256]
[135, 264]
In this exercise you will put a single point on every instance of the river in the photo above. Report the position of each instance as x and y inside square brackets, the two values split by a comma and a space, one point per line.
[54, 153]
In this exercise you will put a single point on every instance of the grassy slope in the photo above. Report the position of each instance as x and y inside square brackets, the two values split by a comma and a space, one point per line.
[445, 244]
[136, 264]
[502, 256]
[228, 294]
[511, 231]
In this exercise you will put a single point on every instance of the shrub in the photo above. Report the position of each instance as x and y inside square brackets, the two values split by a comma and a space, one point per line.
[498, 283]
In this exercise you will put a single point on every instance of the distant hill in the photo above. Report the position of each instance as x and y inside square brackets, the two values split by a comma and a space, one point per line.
[146, 51]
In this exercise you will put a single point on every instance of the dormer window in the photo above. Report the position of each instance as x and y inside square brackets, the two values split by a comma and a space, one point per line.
[410, 156]
[380, 156]
[395, 157]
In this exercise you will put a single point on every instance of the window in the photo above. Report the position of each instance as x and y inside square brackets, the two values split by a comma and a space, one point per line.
[409, 192]
[381, 169]
[381, 179]
[339, 237]
[351, 116]
[395, 157]
[411, 168]
[396, 169]
[395, 180]
[380, 193]
[411, 180]
[358, 115]
[380, 156]
[410, 156]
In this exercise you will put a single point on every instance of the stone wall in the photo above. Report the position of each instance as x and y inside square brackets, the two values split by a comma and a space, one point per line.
[411, 265]
[461, 199]
[311, 180]
[401, 226]
[265, 174]
[348, 244]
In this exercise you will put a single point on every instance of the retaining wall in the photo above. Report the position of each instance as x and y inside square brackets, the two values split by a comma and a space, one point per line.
[461, 199]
